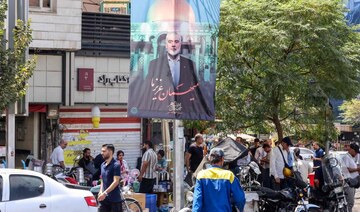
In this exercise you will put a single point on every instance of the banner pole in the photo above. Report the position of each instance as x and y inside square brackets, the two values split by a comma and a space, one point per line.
[178, 165]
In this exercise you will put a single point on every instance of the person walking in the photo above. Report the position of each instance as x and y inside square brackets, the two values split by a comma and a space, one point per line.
[147, 177]
[281, 158]
[317, 159]
[195, 154]
[216, 188]
[194, 157]
[349, 161]
[109, 194]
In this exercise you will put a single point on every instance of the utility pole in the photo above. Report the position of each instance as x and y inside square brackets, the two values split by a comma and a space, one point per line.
[10, 111]
[16, 9]
[178, 165]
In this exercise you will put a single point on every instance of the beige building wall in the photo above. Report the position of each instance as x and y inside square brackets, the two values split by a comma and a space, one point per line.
[59, 28]
[110, 67]
[45, 86]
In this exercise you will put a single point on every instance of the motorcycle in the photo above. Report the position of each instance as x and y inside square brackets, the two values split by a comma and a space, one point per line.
[248, 176]
[189, 198]
[331, 196]
[289, 199]
[64, 176]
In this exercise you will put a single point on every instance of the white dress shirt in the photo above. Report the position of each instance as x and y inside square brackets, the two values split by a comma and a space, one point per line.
[259, 154]
[175, 69]
[57, 156]
[304, 168]
[277, 162]
[349, 162]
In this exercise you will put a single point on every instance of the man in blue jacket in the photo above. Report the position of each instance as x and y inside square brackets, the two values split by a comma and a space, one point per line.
[217, 188]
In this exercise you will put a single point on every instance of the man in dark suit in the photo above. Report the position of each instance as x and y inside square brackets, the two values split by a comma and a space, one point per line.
[171, 88]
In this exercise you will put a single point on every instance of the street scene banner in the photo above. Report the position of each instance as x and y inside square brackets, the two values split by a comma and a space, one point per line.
[353, 15]
[173, 59]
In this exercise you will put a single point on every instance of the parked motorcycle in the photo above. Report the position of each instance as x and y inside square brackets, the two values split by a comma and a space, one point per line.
[331, 195]
[64, 176]
[248, 176]
[289, 199]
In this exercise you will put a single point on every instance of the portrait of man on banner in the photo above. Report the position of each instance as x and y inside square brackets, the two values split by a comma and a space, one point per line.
[173, 62]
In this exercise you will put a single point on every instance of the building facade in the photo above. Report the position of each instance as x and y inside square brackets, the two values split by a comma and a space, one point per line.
[82, 63]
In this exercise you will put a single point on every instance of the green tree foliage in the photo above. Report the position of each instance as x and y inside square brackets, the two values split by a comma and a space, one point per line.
[14, 70]
[351, 111]
[280, 61]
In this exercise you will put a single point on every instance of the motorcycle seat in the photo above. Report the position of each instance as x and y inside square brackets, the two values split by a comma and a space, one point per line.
[268, 193]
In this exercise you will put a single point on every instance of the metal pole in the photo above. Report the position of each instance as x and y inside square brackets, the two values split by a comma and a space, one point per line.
[178, 165]
[10, 112]
[10, 136]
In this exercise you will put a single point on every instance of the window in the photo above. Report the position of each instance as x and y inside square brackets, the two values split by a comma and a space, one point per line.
[24, 187]
[40, 4]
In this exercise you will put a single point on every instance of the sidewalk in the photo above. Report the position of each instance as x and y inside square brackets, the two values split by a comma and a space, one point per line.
[357, 201]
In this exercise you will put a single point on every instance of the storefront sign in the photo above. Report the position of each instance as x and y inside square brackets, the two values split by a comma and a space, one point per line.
[119, 79]
[85, 79]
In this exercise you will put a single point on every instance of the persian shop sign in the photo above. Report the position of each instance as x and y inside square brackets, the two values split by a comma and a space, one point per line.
[86, 79]
[117, 79]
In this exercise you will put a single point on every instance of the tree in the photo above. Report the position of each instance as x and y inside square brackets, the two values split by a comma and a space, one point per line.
[14, 69]
[351, 111]
[280, 61]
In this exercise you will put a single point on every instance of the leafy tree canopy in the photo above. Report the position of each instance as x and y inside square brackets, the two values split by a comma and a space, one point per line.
[351, 111]
[14, 70]
[280, 61]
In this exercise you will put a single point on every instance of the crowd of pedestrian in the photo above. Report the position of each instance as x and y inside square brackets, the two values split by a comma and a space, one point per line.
[273, 159]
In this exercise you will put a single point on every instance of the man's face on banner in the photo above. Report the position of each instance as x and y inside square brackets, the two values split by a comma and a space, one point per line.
[173, 44]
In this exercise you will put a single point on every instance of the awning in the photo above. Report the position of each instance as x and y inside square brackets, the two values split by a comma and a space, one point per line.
[37, 108]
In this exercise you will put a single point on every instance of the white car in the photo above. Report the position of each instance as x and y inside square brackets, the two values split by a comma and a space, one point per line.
[305, 153]
[23, 190]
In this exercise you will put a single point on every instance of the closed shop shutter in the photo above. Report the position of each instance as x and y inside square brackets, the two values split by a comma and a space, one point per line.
[115, 128]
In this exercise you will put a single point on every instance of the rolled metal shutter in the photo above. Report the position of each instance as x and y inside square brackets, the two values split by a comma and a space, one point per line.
[115, 128]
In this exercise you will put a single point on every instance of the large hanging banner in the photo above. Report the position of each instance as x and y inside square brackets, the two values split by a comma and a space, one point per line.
[173, 58]
[353, 15]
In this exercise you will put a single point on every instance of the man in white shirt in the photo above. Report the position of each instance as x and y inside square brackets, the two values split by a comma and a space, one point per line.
[302, 166]
[260, 152]
[279, 156]
[349, 161]
[265, 163]
[57, 156]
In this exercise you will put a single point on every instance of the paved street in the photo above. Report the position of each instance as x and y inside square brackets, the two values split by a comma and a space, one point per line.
[357, 201]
